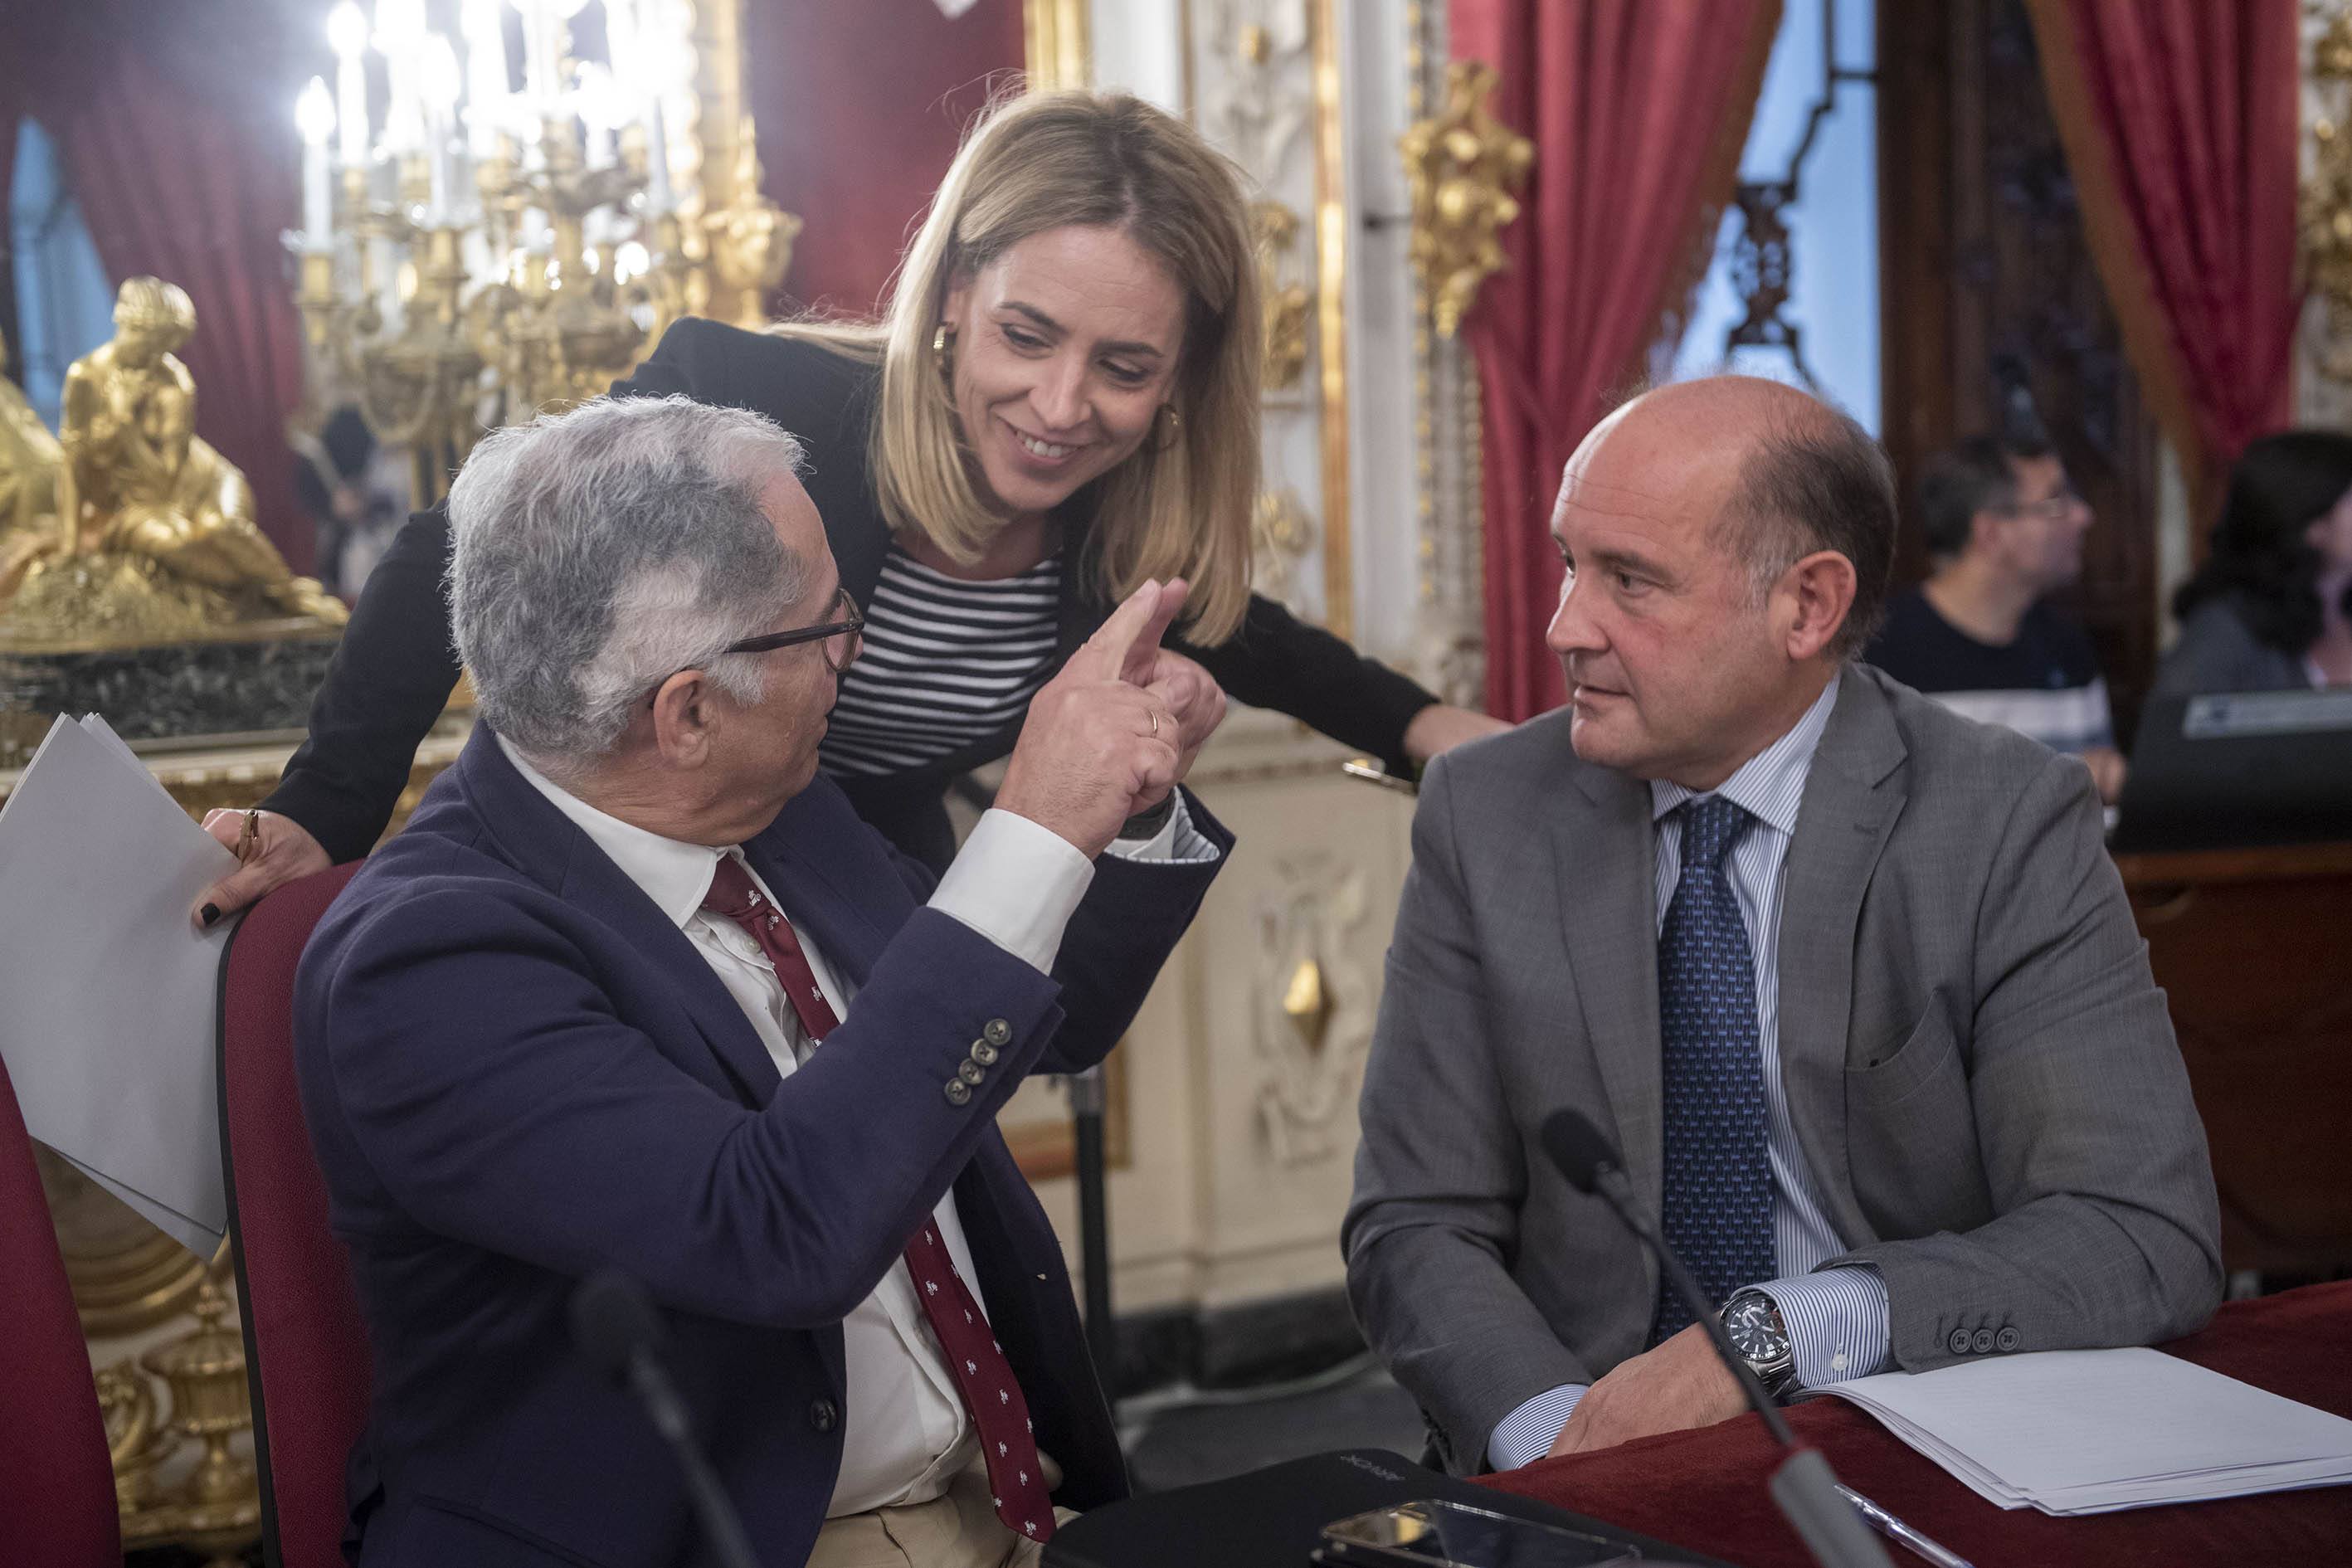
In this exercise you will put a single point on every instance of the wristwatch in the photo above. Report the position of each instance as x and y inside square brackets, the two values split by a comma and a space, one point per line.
[1752, 1320]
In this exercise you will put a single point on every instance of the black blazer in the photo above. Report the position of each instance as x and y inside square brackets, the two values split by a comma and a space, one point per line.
[393, 674]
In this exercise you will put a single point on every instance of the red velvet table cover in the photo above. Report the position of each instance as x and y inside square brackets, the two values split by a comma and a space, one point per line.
[1707, 1488]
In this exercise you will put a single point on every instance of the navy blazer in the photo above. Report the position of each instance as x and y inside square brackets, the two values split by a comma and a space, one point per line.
[516, 1070]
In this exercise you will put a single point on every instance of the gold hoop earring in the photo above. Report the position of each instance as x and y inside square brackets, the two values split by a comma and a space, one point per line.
[1164, 439]
[939, 339]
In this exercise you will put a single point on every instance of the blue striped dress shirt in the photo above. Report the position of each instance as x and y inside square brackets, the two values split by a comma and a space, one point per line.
[1837, 1318]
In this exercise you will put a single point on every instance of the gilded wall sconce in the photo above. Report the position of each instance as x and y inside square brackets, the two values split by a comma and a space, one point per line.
[1462, 166]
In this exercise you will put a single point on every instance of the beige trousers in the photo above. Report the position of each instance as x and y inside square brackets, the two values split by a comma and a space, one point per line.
[957, 1529]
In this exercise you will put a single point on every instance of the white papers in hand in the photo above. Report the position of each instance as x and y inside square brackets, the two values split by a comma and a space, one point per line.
[2091, 1431]
[109, 1020]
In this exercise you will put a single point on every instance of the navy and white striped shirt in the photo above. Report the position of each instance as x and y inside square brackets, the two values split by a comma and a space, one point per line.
[945, 663]
[1837, 1318]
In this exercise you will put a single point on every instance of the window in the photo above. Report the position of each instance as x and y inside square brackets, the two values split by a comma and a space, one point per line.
[65, 306]
[1821, 65]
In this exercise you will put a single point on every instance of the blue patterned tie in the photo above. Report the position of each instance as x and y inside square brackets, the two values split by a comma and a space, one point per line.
[1719, 1180]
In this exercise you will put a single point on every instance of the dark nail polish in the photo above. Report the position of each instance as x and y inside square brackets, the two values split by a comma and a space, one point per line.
[209, 913]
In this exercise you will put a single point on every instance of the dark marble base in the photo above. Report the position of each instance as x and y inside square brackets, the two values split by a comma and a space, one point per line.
[167, 692]
[1236, 1347]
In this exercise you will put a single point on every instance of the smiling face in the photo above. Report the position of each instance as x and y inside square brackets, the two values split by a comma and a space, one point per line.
[1676, 667]
[1064, 348]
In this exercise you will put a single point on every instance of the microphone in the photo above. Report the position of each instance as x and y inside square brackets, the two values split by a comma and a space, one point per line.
[1804, 1487]
[617, 1331]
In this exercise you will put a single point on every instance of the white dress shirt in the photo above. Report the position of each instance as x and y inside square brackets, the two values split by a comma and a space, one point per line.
[1837, 1318]
[905, 1433]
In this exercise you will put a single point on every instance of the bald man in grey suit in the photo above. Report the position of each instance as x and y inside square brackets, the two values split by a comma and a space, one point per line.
[1849, 980]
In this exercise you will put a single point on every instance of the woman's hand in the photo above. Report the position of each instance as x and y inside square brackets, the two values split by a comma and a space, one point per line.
[282, 851]
[1440, 727]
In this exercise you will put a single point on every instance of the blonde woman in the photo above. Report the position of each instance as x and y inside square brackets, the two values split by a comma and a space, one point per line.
[1059, 403]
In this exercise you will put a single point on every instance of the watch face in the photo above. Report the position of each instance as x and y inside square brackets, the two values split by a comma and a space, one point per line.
[1755, 1330]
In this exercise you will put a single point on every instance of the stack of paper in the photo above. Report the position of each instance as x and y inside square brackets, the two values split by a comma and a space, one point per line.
[110, 1011]
[2093, 1431]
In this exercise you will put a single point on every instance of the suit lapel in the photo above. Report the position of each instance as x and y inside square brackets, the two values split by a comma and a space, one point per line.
[1605, 858]
[1851, 801]
[550, 849]
[834, 879]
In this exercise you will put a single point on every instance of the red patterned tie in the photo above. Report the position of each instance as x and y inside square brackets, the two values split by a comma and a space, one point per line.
[975, 1360]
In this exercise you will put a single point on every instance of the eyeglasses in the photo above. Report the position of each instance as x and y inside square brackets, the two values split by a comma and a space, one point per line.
[847, 625]
[2056, 509]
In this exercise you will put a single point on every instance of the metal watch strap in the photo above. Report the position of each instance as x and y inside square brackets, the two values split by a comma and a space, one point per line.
[1776, 1378]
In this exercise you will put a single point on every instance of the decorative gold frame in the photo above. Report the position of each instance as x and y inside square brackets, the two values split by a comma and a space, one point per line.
[1060, 44]
[1331, 315]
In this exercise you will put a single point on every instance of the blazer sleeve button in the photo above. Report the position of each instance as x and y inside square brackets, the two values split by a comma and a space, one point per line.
[2008, 1340]
[824, 1416]
[1959, 1342]
[971, 1073]
[997, 1033]
[957, 1091]
[985, 1053]
[1983, 1342]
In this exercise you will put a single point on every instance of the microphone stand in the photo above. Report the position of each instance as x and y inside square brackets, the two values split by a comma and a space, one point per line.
[1803, 1487]
[618, 1331]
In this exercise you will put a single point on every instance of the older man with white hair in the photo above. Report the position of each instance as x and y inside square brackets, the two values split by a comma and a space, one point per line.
[636, 988]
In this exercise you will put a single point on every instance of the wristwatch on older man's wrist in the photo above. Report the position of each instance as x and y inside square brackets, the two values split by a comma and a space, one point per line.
[1752, 1321]
[1146, 824]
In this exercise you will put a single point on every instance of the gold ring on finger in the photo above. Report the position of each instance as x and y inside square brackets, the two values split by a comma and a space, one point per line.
[1154, 712]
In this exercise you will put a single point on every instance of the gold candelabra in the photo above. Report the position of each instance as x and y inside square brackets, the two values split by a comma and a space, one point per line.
[554, 287]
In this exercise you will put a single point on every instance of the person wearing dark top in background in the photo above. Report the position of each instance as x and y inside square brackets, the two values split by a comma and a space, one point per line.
[2003, 529]
[2270, 609]
[330, 480]
[1060, 402]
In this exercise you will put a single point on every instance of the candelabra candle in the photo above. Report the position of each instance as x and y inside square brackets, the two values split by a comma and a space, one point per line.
[540, 53]
[658, 199]
[486, 77]
[314, 116]
[347, 32]
[437, 85]
[400, 38]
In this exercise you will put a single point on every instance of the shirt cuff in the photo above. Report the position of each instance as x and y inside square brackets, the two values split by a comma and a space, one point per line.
[1837, 1321]
[1017, 884]
[1526, 1433]
[1178, 842]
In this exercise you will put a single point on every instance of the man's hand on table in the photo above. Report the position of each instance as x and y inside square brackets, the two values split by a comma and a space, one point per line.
[1677, 1385]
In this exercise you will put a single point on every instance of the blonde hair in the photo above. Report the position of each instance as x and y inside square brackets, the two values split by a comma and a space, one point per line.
[1179, 506]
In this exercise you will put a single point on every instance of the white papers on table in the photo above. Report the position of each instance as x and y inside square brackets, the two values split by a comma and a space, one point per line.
[108, 993]
[2091, 1431]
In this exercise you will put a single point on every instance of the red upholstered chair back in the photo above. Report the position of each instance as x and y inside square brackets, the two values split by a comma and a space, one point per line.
[56, 1485]
[306, 1350]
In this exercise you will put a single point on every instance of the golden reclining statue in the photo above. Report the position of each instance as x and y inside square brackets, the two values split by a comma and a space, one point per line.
[152, 533]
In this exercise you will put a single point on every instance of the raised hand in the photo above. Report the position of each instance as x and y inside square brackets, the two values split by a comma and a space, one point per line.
[1096, 748]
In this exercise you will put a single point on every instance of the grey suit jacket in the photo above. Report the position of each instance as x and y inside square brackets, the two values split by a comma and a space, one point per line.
[1980, 1067]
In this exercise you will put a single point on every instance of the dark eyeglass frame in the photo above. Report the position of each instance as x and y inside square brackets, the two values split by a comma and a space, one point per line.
[855, 627]
[2050, 509]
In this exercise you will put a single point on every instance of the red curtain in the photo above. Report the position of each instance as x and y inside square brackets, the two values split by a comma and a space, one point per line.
[175, 124]
[860, 110]
[1638, 109]
[2179, 118]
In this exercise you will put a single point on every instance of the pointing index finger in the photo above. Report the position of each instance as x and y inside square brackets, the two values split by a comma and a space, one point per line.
[1128, 627]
